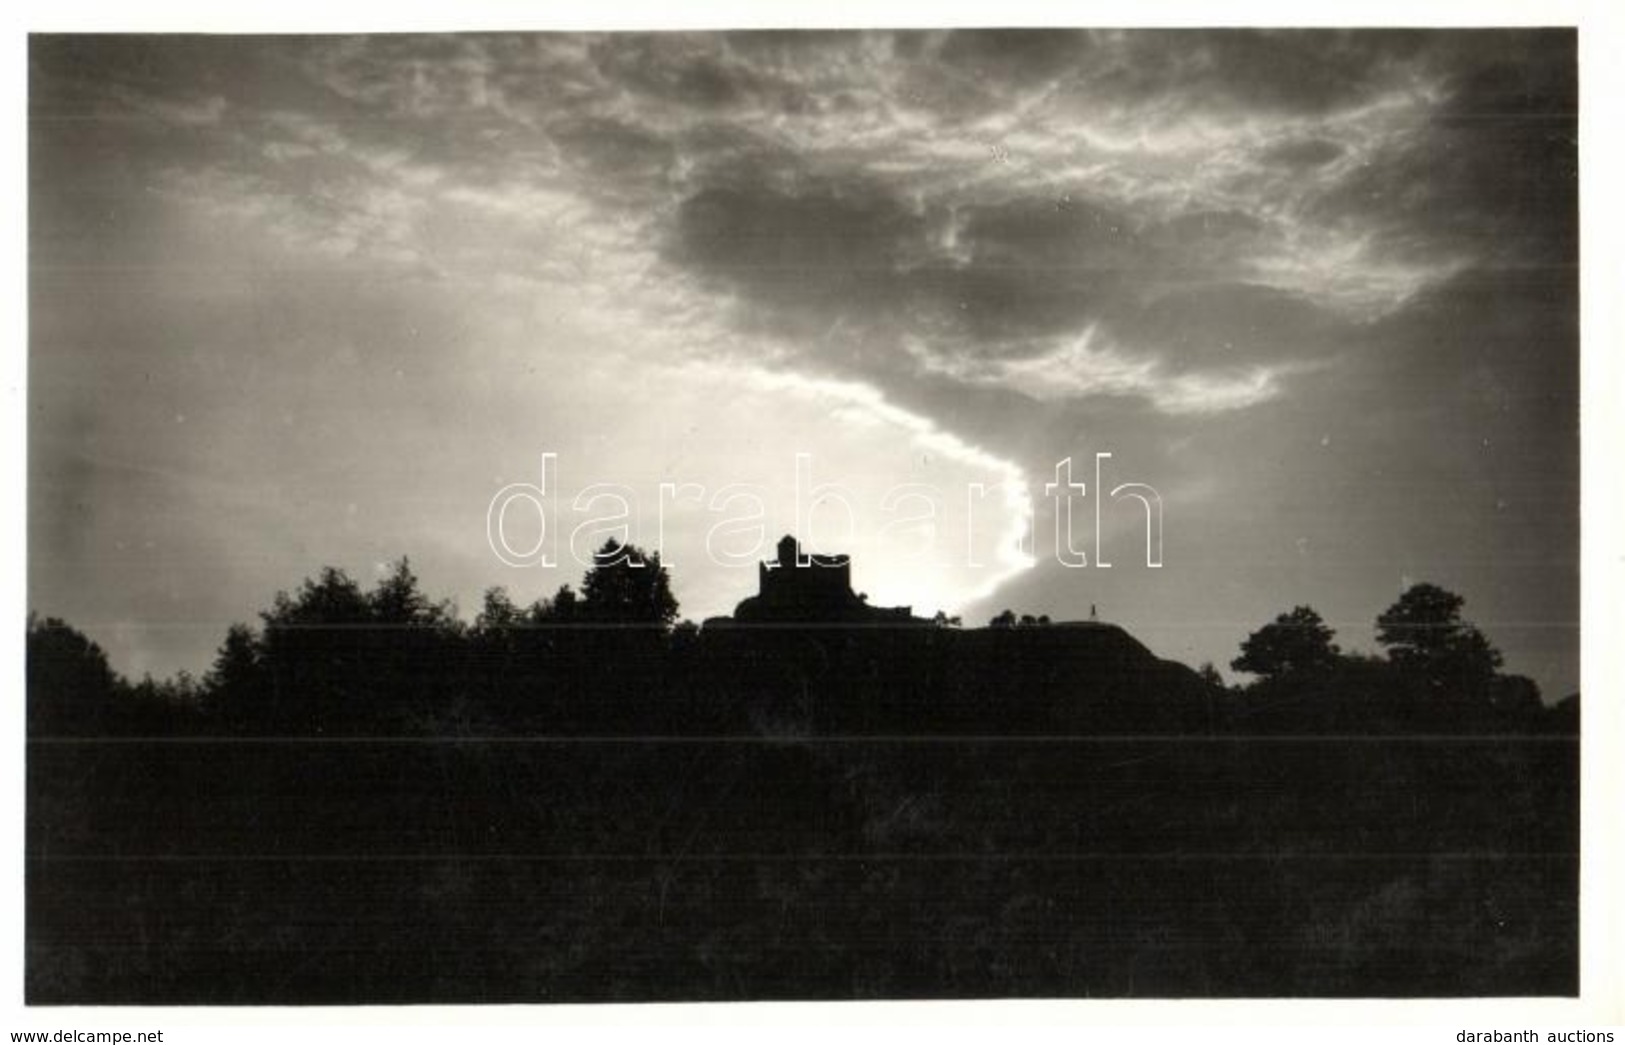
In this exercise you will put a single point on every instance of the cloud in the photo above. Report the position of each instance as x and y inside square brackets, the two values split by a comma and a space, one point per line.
[1303, 152]
[1207, 177]
[612, 155]
[691, 71]
[1492, 178]
[945, 186]
[1085, 366]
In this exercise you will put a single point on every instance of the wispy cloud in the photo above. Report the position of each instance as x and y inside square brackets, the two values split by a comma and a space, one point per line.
[1084, 366]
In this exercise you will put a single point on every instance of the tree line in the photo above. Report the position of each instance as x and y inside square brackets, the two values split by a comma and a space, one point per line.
[1439, 670]
[333, 658]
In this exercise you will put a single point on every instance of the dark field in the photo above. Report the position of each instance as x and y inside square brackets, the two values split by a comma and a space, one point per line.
[265, 871]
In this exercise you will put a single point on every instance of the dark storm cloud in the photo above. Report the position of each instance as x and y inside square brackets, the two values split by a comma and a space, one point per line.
[1276, 71]
[804, 259]
[997, 280]
[1004, 56]
[838, 219]
[853, 252]
[968, 73]
[817, 232]
[79, 76]
[1269, 192]
[1286, 72]
[1063, 233]
[688, 72]
[765, 167]
[1109, 246]
[1305, 152]
[1495, 172]
[997, 310]
[1216, 323]
[614, 155]
[729, 156]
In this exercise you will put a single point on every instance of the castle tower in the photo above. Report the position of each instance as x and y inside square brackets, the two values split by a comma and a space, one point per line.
[798, 586]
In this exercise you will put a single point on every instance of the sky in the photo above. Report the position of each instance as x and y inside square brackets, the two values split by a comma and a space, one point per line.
[299, 301]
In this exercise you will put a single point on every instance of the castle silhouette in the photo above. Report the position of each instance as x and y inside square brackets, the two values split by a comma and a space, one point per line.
[806, 655]
[813, 588]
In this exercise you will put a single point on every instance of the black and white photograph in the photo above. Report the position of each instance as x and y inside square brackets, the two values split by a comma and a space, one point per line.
[580, 517]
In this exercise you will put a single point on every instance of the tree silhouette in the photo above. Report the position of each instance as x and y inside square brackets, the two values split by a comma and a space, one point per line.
[316, 654]
[158, 707]
[398, 600]
[564, 605]
[1426, 636]
[70, 688]
[235, 689]
[497, 614]
[685, 635]
[627, 585]
[1293, 643]
[334, 598]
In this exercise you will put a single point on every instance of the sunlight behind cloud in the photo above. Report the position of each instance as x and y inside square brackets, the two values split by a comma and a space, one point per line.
[934, 521]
